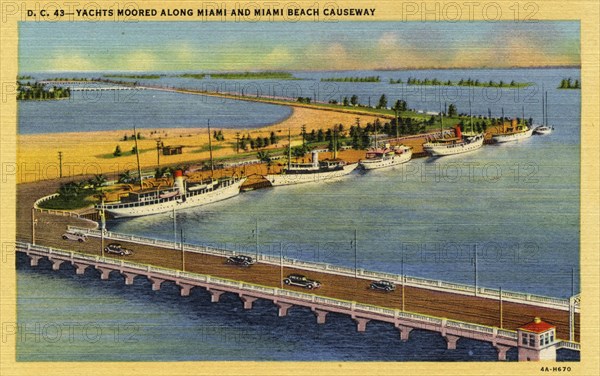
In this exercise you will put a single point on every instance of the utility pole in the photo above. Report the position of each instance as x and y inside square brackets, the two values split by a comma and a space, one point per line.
[60, 164]
[403, 278]
[355, 255]
[182, 250]
[280, 265]
[501, 313]
[212, 165]
[33, 222]
[256, 236]
[237, 144]
[137, 154]
[303, 135]
[475, 267]
[103, 220]
[174, 227]
[158, 141]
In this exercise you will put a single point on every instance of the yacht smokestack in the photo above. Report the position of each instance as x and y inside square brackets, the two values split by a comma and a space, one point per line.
[315, 158]
[178, 175]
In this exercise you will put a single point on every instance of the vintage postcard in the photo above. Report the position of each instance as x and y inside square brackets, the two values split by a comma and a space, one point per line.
[346, 187]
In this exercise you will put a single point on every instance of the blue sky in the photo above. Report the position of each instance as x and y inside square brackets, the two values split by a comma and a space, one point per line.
[221, 46]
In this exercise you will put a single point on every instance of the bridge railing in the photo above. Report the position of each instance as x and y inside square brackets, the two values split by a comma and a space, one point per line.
[341, 270]
[353, 306]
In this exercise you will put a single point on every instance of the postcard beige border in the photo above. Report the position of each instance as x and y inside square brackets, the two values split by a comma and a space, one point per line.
[587, 11]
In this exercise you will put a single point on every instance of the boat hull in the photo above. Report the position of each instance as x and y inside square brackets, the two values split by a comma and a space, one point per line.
[178, 202]
[290, 179]
[500, 138]
[452, 149]
[389, 162]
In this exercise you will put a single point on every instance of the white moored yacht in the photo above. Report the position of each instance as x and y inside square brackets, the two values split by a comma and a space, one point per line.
[386, 157]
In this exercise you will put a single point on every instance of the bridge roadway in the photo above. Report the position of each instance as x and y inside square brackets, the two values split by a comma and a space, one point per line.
[467, 308]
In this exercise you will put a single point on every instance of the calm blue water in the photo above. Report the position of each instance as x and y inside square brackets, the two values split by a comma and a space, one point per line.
[111, 110]
[518, 204]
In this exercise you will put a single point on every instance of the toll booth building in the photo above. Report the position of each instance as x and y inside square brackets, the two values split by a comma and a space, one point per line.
[537, 341]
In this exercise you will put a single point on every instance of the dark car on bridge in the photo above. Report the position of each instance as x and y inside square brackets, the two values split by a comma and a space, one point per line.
[302, 281]
[118, 249]
[383, 285]
[241, 260]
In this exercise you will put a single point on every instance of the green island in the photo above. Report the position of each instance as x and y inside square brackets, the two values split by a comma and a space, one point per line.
[83, 79]
[269, 75]
[197, 76]
[569, 83]
[461, 82]
[136, 76]
[37, 91]
[352, 79]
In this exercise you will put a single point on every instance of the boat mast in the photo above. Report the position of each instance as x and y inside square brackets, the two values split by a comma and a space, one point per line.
[441, 122]
[137, 155]
[374, 126]
[546, 109]
[470, 115]
[335, 142]
[212, 164]
[289, 149]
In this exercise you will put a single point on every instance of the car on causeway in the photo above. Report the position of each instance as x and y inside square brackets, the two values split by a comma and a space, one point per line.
[241, 260]
[383, 285]
[118, 249]
[75, 235]
[302, 281]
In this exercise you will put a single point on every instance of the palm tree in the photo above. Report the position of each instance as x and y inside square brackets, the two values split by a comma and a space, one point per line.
[265, 156]
[97, 181]
[125, 177]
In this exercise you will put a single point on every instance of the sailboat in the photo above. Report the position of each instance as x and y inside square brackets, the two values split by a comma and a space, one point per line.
[180, 196]
[544, 129]
[316, 171]
[456, 145]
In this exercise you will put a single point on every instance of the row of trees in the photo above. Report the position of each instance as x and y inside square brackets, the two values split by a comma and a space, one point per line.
[462, 82]
[38, 91]
[352, 79]
[246, 142]
[568, 83]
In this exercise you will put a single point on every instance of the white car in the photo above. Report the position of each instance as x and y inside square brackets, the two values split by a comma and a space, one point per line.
[74, 235]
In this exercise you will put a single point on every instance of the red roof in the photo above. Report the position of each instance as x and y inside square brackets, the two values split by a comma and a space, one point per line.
[537, 326]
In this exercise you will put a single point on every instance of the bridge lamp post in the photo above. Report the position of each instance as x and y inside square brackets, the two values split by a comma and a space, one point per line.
[103, 228]
[403, 279]
[33, 224]
[501, 312]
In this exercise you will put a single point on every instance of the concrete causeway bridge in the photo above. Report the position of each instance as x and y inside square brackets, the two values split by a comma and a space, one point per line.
[506, 319]
[93, 86]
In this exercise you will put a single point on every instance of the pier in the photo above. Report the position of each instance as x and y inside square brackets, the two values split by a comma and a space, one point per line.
[453, 310]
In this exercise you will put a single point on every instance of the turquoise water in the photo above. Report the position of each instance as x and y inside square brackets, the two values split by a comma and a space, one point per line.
[517, 204]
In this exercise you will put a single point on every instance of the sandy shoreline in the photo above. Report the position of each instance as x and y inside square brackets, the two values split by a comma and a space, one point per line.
[91, 152]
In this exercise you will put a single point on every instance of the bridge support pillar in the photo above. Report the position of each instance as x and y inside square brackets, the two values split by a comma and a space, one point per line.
[247, 300]
[80, 268]
[156, 282]
[215, 295]
[404, 332]
[129, 277]
[321, 315]
[283, 308]
[501, 351]
[361, 323]
[451, 341]
[104, 273]
[56, 264]
[184, 289]
[33, 260]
